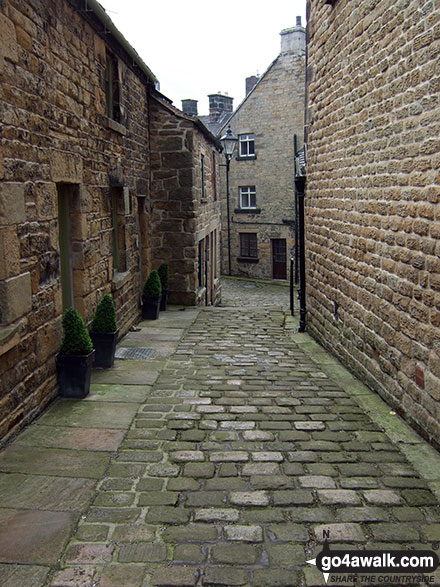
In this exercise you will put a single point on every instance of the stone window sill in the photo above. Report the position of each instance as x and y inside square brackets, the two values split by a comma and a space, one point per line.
[116, 126]
[247, 260]
[120, 279]
[9, 338]
[248, 158]
[247, 211]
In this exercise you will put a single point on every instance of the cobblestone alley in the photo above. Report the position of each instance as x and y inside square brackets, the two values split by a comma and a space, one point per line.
[250, 442]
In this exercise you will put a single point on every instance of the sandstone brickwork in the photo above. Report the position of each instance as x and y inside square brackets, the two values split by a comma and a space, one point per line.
[185, 204]
[373, 196]
[76, 193]
[273, 112]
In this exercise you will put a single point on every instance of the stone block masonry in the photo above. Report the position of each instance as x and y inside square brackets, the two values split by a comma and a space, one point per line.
[373, 196]
[185, 204]
[65, 146]
[272, 113]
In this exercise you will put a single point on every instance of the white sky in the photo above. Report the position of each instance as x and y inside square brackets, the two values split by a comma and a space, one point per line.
[202, 47]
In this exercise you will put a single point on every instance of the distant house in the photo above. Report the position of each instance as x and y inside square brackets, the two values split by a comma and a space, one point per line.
[261, 200]
[185, 203]
[373, 197]
[78, 206]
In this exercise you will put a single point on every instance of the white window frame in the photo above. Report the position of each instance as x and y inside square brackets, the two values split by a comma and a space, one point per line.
[244, 142]
[246, 194]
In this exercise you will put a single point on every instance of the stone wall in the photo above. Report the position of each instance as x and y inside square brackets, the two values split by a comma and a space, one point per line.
[184, 215]
[58, 142]
[372, 201]
[273, 112]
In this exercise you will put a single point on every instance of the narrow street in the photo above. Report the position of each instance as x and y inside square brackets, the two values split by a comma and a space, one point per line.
[220, 460]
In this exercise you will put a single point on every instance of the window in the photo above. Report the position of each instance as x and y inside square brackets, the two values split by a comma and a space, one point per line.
[200, 264]
[213, 175]
[248, 245]
[118, 229]
[246, 145]
[112, 94]
[202, 163]
[247, 197]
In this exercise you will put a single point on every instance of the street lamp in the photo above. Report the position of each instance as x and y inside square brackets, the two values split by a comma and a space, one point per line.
[228, 141]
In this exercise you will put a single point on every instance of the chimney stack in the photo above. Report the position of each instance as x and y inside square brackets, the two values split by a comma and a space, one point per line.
[218, 105]
[251, 82]
[293, 40]
[190, 107]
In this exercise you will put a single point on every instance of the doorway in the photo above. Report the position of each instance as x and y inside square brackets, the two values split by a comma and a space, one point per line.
[279, 258]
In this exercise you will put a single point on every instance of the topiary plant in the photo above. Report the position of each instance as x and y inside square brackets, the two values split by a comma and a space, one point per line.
[76, 339]
[104, 319]
[152, 286]
[163, 275]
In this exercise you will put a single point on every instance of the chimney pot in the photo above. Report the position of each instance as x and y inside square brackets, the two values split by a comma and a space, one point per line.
[298, 21]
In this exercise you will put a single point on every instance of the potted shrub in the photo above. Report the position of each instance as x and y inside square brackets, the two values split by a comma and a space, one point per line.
[104, 332]
[151, 296]
[75, 357]
[163, 276]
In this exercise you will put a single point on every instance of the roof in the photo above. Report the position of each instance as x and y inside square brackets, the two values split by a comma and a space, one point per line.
[216, 126]
[232, 114]
[92, 6]
[168, 104]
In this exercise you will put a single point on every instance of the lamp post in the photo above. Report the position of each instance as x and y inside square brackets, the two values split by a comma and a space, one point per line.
[228, 141]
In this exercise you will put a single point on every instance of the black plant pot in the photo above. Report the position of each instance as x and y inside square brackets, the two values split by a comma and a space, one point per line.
[104, 344]
[163, 300]
[74, 373]
[150, 307]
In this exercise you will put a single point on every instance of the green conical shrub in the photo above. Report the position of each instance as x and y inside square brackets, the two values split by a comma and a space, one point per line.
[163, 275]
[104, 319]
[76, 339]
[152, 286]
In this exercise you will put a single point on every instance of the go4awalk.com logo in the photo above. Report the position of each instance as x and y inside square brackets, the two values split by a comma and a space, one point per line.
[381, 567]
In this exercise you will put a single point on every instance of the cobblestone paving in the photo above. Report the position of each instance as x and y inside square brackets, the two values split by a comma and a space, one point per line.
[241, 455]
[249, 293]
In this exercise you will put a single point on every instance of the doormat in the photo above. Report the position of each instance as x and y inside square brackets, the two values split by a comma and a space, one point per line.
[133, 353]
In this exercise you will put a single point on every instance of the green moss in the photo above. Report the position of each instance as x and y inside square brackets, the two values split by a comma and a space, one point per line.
[105, 316]
[152, 286]
[163, 275]
[76, 339]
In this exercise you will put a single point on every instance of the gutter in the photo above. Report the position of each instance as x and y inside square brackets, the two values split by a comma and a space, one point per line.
[105, 20]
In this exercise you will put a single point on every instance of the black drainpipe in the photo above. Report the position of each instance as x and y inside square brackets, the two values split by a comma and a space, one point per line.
[300, 182]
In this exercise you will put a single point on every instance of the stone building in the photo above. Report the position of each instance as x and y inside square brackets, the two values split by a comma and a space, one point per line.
[76, 191]
[373, 196]
[185, 203]
[261, 179]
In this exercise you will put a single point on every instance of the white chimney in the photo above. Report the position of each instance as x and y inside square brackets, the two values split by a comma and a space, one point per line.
[293, 40]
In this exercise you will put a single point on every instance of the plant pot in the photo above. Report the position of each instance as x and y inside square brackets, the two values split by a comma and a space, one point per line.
[74, 373]
[163, 300]
[150, 307]
[105, 347]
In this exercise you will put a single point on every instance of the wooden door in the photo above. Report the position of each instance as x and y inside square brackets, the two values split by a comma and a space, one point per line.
[279, 258]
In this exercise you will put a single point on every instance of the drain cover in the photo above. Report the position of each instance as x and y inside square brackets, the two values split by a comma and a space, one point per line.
[133, 353]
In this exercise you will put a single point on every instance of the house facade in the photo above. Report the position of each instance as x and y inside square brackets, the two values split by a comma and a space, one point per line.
[373, 197]
[76, 202]
[185, 203]
[260, 236]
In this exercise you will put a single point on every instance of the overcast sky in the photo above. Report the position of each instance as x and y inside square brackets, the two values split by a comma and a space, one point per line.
[197, 47]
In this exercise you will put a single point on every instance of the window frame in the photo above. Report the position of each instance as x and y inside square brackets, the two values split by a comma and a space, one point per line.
[248, 249]
[246, 140]
[250, 191]
[112, 87]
